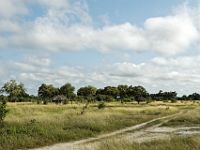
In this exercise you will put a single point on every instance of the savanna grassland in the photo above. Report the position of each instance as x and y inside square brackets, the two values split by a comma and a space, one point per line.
[190, 117]
[29, 125]
[174, 143]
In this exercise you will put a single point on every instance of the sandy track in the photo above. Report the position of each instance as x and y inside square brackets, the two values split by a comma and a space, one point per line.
[92, 143]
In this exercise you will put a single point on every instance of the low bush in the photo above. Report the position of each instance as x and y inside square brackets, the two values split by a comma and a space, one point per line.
[45, 102]
[3, 111]
[101, 105]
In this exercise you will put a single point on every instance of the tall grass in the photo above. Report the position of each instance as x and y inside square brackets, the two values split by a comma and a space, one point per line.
[175, 143]
[190, 117]
[29, 125]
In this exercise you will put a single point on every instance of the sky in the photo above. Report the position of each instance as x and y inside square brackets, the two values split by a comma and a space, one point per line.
[153, 43]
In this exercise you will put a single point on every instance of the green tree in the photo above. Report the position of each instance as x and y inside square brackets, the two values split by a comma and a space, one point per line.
[167, 95]
[123, 91]
[138, 92]
[14, 89]
[111, 91]
[47, 91]
[87, 91]
[67, 90]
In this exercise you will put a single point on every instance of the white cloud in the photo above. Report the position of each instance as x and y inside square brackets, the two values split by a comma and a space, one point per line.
[9, 26]
[171, 34]
[67, 26]
[12, 8]
[54, 4]
[158, 73]
[162, 73]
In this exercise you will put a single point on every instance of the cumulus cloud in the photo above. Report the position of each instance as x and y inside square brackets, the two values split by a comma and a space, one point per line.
[171, 34]
[157, 73]
[181, 70]
[13, 8]
[67, 26]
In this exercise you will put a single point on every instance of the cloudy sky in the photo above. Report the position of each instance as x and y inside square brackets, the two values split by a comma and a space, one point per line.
[153, 43]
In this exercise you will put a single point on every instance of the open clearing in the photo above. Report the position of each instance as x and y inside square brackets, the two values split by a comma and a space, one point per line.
[92, 143]
[32, 126]
[145, 132]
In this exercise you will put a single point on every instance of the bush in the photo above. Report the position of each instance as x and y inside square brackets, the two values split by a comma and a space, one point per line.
[101, 105]
[45, 102]
[173, 101]
[38, 102]
[3, 111]
[66, 101]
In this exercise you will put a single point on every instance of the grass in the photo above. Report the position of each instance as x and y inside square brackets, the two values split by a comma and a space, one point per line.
[29, 125]
[174, 143]
[190, 117]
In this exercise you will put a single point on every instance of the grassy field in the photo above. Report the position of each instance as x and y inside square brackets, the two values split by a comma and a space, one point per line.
[190, 117]
[174, 143]
[29, 125]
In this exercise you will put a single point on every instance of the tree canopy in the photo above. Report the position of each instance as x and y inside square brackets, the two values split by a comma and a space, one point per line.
[47, 91]
[87, 91]
[14, 89]
[67, 90]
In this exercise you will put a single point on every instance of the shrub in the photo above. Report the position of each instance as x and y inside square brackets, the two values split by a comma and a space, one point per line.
[45, 102]
[66, 101]
[101, 105]
[3, 111]
[173, 101]
[38, 101]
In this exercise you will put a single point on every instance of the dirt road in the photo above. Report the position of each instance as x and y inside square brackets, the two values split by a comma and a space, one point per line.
[92, 143]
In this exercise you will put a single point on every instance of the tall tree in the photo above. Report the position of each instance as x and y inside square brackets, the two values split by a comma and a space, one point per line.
[138, 92]
[194, 96]
[111, 91]
[87, 91]
[123, 90]
[67, 90]
[164, 95]
[47, 91]
[14, 89]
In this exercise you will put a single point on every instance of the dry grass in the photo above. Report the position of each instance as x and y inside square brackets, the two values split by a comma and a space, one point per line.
[190, 117]
[174, 143]
[29, 125]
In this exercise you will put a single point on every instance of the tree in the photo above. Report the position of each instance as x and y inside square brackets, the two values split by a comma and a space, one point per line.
[184, 97]
[194, 96]
[123, 91]
[87, 92]
[67, 90]
[111, 91]
[138, 92]
[47, 91]
[14, 89]
[100, 92]
[164, 95]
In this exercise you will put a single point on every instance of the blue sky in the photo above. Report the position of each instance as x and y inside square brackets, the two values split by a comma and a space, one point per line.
[152, 43]
[135, 11]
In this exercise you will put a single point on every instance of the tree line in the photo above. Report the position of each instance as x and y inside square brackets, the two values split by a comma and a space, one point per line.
[13, 91]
